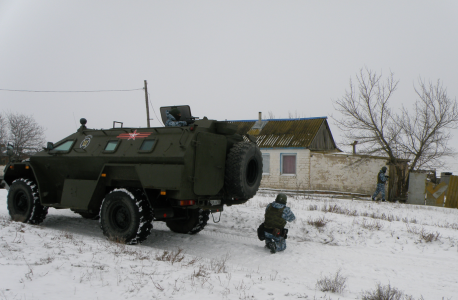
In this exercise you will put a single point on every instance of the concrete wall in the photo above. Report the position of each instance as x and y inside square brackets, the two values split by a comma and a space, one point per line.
[276, 180]
[417, 188]
[345, 173]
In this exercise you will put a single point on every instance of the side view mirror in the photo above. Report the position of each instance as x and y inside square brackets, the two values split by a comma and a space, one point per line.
[49, 146]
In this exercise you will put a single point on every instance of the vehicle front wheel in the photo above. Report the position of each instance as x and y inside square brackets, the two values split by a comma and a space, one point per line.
[126, 216]
[24, 202]
[196, 221]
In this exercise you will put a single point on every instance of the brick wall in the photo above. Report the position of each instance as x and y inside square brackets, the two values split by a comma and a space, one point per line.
[346, 173]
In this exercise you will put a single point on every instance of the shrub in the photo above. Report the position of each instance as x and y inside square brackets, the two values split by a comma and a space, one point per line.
[313, 207]
[424, 235]
[375, 225]
[412, 229]
[386, 292]
[219, 265]
[171, 256]
[318, 223]
[332, 209]
[333, 283]
[389, 218]
[429, 236]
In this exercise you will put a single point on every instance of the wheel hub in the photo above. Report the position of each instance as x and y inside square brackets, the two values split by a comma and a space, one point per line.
[252, 172]
[20, 202]
[121, 217]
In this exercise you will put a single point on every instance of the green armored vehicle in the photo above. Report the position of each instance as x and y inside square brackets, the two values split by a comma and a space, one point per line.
[132, 176]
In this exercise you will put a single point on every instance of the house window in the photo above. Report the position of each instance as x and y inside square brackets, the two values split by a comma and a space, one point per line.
[288, 164]
[265, 163]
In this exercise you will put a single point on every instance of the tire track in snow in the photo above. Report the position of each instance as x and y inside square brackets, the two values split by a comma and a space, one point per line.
[219, 235]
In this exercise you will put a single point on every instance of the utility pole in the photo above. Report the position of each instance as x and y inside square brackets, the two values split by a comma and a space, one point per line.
[147, 106]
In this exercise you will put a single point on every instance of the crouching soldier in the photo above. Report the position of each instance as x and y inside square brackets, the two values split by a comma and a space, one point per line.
[277, 214]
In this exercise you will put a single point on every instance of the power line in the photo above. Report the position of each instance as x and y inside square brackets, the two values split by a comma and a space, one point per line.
[154, 110]
[95, 91]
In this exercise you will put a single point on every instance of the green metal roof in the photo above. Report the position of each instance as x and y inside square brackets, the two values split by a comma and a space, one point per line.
[282, 133]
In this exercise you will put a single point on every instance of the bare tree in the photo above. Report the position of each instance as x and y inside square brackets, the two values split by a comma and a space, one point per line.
[3, 131]
[367, 117]
[293, 116]
[420, 135]
[426, 130]
[25, 134]
[271, 115]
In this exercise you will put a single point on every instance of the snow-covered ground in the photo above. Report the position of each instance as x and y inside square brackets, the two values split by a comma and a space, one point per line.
[67, 257]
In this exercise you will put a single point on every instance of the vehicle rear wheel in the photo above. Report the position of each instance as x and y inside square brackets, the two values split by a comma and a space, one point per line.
[24, 202]
[126, 216]
[194, 224]
[243, 170]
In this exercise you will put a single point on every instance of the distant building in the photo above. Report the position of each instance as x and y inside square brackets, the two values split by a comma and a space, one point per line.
[301, 154]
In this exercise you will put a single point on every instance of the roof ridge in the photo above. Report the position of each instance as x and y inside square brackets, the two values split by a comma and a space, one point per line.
[296, 119]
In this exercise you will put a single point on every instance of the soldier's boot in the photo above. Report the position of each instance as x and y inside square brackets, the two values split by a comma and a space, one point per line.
[373, 199]
[383, 200]
[273, 247]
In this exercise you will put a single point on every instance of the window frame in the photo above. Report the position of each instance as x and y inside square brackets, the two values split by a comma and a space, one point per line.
[149, 150]
[115, 149]
[265, 154]
[54, 151]
[282, 155]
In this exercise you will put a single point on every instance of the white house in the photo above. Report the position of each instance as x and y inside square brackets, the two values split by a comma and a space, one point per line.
[301, 154]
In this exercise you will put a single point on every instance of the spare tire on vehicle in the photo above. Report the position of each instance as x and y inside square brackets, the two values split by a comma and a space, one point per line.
[243, 170]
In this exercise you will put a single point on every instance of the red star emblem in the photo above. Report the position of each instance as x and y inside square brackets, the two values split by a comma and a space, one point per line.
[133, 135]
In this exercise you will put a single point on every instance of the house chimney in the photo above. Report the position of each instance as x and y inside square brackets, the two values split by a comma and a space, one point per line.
[354, 146]
[260, 116]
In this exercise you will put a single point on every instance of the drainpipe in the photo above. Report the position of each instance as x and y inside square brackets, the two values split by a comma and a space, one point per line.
[310, 170]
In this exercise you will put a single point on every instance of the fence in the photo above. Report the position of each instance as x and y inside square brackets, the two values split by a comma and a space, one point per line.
[424, 192]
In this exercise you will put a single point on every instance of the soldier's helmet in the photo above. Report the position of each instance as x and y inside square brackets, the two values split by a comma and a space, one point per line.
[281, 198]
[175, 113]
[383, 169]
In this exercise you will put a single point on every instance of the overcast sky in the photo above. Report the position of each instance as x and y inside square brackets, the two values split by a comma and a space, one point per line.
[226, 59]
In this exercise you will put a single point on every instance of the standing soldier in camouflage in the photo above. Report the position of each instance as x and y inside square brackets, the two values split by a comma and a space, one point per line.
[276, 216]
[381, 180]
[173, 118]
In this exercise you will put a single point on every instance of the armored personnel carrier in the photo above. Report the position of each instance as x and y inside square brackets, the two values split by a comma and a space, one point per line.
[130, 177]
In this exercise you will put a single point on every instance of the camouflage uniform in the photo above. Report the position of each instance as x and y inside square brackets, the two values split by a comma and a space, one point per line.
[287, 216]
[171, 121]
[381, 180]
